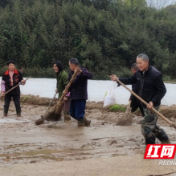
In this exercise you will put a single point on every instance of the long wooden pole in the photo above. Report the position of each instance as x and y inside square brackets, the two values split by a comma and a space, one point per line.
[60, 103]
[50, 103]
[158, 113]
[70, 82]
[14, 87]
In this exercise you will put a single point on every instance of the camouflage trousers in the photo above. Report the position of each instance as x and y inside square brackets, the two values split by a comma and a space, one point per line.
[150, 128]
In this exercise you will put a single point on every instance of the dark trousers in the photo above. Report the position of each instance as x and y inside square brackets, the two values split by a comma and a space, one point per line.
[16, 99]
[134, 105]
[77, 109]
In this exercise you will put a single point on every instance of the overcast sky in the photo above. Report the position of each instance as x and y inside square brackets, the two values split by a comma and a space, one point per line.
[160, 3]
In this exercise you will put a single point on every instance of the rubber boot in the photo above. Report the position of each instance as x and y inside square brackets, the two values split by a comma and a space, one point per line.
[87, 122]
[81, 123]
[162, 136]
[19, 115]
[166, 142]
[66, 116]
[18, 111]
[5, 111]
[150, 140]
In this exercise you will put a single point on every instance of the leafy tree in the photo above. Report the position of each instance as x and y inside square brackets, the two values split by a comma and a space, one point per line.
[105, 35]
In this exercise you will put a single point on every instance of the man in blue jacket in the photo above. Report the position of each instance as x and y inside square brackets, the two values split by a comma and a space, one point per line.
[78, 93]
[152, 90]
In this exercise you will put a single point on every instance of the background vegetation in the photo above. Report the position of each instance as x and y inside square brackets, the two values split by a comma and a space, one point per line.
[105, 35]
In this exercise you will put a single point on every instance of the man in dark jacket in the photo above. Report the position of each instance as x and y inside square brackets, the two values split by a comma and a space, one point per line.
[152, 90]
[11, 78]
[78, 91]
[134, 102]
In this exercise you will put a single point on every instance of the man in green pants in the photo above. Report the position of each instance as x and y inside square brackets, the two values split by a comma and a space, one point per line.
[152, 89]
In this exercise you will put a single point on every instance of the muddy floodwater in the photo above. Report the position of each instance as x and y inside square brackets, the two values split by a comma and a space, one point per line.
[61, 148]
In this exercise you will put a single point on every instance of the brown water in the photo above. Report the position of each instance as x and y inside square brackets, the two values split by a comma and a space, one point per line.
[23, 142]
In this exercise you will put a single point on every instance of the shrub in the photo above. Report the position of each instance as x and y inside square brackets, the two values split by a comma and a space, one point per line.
[117, 108]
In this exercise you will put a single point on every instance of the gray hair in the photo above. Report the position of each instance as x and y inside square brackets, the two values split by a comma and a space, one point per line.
[134, 66]
[143, 56]
[74, 61]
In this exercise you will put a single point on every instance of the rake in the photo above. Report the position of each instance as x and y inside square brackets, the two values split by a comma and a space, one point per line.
[56, 111]
[153, 109]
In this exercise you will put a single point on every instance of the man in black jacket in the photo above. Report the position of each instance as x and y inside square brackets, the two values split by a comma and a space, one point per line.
[10, 79]
[134, 102]
[78, 93]
[152, 90]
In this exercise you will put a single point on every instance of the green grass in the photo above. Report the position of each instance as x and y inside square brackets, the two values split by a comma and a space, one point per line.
[117, 108]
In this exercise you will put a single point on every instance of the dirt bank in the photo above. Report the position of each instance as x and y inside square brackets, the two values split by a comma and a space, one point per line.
[21, 142]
